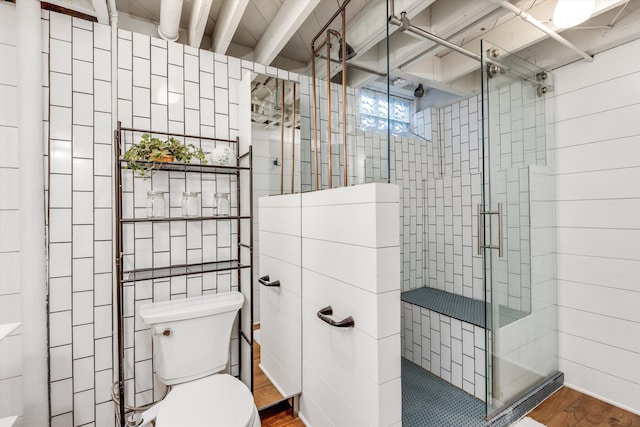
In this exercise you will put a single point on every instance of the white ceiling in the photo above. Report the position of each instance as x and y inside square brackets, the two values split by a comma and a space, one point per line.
[280, 32]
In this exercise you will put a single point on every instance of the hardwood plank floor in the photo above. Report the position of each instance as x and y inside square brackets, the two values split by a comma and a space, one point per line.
[569, 408]
[264, 393]
[280, 415]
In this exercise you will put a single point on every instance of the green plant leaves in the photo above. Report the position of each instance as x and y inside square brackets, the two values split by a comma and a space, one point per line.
[149, 149]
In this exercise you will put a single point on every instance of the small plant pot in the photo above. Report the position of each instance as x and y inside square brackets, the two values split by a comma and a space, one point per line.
[162, 159]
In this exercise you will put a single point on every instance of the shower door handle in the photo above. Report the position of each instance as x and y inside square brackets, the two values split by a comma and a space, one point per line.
[500, 232]
[264, 280]
[324, 313]
[480, 229]
[500, 245]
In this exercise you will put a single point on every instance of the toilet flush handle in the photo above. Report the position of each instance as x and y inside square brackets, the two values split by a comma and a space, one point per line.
[166, 333]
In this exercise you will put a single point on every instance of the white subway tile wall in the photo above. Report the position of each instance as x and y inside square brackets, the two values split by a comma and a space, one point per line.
[80, 241]
[449, 348]
[164, 86]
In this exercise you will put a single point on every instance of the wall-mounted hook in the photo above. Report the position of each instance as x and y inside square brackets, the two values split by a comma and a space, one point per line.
[276, 162]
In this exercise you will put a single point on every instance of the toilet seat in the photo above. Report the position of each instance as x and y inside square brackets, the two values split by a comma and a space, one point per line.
[218, 400]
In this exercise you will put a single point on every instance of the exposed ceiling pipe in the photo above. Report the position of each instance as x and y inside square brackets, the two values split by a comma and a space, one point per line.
[113, 18]
[170, 13]
[405, 25]
[199, 15]
[539, 25]
[228, 20]
[113, 12]
[102, 11]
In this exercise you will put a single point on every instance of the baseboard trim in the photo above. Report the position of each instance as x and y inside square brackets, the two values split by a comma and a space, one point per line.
[526, 403]
[604, 399]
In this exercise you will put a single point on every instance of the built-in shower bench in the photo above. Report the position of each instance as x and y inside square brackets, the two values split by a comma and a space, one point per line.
[444, 333]
[456, 306]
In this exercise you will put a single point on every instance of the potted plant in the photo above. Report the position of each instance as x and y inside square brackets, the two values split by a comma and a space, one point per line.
[144, 156]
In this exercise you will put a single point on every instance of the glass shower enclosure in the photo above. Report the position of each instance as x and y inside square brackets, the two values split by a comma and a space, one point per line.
[516, 231]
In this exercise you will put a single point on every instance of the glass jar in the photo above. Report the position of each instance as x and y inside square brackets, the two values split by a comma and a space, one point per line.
[156, 204]
[221, 205]
[190, 204]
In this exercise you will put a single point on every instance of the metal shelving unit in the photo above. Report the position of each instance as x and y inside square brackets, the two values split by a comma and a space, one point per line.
[242, 217]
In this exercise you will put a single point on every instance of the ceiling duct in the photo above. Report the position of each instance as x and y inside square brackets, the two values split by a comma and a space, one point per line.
[170, 13]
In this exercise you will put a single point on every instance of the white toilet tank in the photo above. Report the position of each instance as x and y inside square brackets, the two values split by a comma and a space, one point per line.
[191, 335]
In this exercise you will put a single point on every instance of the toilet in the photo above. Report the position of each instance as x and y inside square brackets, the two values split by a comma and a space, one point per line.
[191, 349]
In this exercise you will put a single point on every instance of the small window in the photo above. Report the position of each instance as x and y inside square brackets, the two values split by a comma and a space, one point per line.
[374, 109]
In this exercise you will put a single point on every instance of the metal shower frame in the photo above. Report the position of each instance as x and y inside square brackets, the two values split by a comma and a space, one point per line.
[315, 53]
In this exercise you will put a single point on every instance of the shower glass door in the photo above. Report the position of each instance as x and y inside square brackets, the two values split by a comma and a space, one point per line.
[515, 222]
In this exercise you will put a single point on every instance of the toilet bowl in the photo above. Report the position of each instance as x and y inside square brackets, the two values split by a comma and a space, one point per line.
[191, 349]
[218, 400]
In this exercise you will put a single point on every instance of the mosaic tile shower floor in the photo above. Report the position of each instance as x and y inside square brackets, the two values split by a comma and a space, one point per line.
[428, 401]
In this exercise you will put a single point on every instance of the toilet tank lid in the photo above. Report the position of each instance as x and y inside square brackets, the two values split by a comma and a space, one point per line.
[191, 307]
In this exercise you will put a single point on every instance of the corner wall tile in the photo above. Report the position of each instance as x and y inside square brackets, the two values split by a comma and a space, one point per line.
[61, 397]
[60, 294]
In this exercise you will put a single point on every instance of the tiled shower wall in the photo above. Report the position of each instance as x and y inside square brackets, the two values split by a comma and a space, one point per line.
[413, 160]
[449, 214]
[163, 86]
[518, 121]
[449, 348]
[444, 251]
[448, 217]
[519, 141]
[367, 151]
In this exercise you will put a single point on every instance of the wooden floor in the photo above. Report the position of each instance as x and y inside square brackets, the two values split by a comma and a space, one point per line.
[566, 408]
[569, 408]
[279, 416]
[264, 394]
